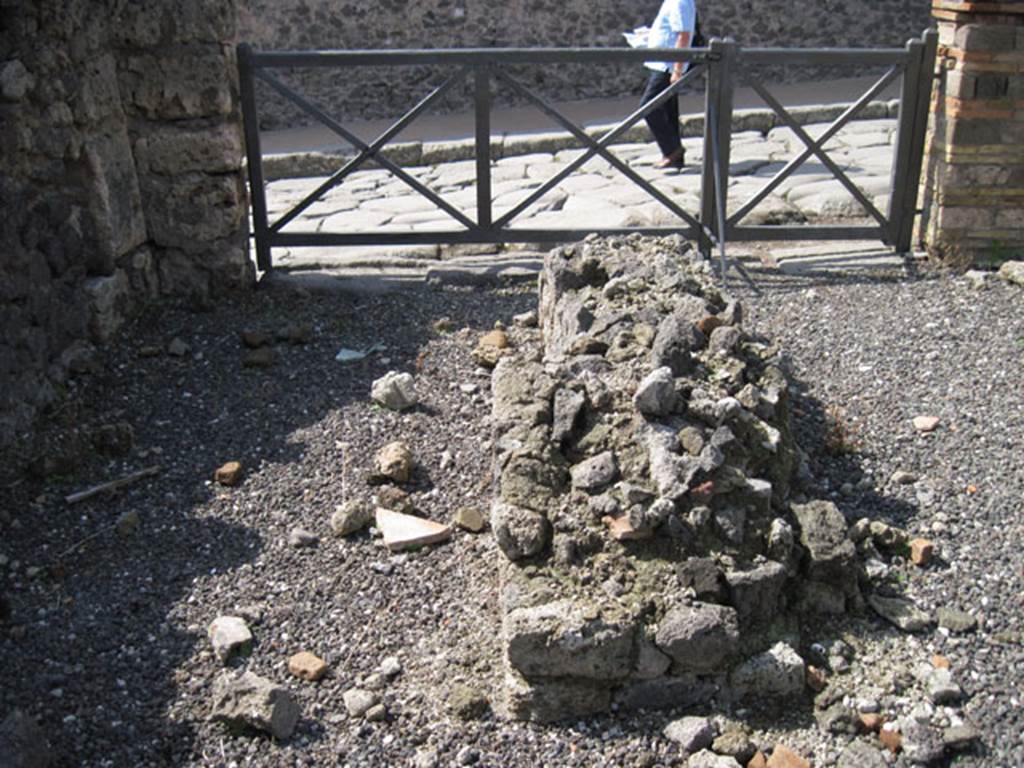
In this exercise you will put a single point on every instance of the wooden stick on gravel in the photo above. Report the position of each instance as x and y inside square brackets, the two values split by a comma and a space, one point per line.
[111, 485]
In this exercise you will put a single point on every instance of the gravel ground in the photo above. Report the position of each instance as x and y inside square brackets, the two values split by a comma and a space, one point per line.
[106, 642]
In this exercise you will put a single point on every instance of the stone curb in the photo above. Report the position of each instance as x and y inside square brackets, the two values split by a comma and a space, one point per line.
[297, 165]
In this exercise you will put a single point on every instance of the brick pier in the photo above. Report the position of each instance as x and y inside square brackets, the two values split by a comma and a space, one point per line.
[974, 185]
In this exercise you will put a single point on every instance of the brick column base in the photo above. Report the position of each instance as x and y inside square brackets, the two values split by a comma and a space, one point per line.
[974, 172]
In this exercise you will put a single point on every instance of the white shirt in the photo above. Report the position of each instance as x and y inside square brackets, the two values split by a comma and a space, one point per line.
[674, 17]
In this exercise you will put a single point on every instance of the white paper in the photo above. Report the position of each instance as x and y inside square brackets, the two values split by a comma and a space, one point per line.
[638, 37]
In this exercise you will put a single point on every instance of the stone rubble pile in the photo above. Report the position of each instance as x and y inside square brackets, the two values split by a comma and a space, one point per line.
[643, 466]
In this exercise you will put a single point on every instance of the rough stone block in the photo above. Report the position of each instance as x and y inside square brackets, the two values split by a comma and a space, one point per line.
[567, 639]
[778, 674]
[987, 38]
[192, 211]
[699, 637]
[170, 150]
[547, 701]
[174, 87]
[116, 220]
[756, 593]
[110, 301]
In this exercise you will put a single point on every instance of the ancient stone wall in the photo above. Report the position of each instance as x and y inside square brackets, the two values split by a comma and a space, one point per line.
[373, 92]
[120, 176]
[974, 178]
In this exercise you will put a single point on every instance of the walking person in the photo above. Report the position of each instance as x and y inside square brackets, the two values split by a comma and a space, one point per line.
[673, 27]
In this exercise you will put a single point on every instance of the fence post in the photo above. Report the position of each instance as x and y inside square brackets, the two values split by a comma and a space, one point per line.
[925, 78]
[717, 132]
[254, 157]
[482, 101]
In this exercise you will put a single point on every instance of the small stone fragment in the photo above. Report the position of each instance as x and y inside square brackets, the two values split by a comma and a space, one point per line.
[520, 532]
[391, 667]
[307, 666]
[296, 333]
[245, 701]
[358, 701]
[526, 319]
[784, 757]
[396, 499]
[393, 463]
[656, 395]
[1012, 272]
[708, 759]
[408, 531]
[859, 754]
[492, 346]
[229, 474]
[692, 734]
[735, 744]
[956, 621]
[230, 636]
[925, 424]
[376, 713]
[255, 339]
[899, 477]
[350, 517]
[127, 523]
[777, 673]
[940, 662]
[621, 529]
[466, 702]
[264, 357]
[178, 348]
[595, 473]
[891, 738]
[470, 519]
[300, 538]
[394, 390]
[921, 743]
[960, 737]
[940, 686]
[816, 678]
[871, 722]
[921, 552]
[900, 612]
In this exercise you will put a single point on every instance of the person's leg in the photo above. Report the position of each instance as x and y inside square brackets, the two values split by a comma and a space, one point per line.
[664, 120]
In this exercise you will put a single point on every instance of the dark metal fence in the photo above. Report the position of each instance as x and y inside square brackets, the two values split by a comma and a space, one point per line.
[721, 65]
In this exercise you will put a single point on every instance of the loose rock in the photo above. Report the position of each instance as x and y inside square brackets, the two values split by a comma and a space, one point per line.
[900, 612]
[351, 517]
[307, 666]
[245, 701]
[229, 474]
[692, 734]
[300, 538]
[230, 636]
[359, 701]
[395, 390]
[470, 519]
[393, 463]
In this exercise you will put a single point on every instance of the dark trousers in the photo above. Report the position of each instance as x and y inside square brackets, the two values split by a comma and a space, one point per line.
[664, 120]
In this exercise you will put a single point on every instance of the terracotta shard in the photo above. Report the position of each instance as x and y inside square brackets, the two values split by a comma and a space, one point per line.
[622, 530]
[402, 531]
